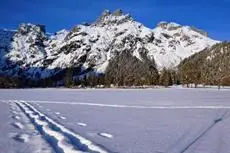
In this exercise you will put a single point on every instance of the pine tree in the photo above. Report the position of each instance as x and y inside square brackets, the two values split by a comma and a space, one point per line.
[68, 79]
[166, 78]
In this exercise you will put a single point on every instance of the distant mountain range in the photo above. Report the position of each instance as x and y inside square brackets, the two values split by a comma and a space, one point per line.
[30, 52]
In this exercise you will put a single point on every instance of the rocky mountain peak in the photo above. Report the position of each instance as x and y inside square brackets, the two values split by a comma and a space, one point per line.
[118, 12]
[105, 13]
[31, 33]
[116, 17]
[25, 28]
[169, 25]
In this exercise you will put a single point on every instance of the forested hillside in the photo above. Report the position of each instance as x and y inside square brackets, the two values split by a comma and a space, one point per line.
[208, 67]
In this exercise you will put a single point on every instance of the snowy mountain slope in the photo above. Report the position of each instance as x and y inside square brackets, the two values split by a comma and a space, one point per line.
[28, 44]
[177, 42]
[38, 55]
[25, 49]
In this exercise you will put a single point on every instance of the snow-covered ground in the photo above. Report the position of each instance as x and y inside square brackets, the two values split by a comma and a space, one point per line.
[17, 133]
[115, 120]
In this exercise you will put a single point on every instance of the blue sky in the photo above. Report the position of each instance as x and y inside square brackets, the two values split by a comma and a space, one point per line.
[212, 16]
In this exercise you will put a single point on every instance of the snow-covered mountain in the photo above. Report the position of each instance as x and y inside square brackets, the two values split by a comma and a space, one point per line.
[177, 42]
[29, 51]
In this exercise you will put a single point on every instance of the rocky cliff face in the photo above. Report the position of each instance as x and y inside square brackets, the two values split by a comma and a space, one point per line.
[31, 52]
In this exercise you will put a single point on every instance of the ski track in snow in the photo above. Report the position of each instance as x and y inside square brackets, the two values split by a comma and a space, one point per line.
[106, 135]
[62, 117]
[21, 137]
[82, 124]
[60, 138]
[18, 125]
[28, 137]
[131, 106]
[16, 117]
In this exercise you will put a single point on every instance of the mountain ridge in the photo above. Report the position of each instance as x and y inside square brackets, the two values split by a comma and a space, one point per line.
[33, 53]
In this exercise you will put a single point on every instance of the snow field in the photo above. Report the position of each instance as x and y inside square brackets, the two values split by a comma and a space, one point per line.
[61, 139]
[21, 134]
[129, 121]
